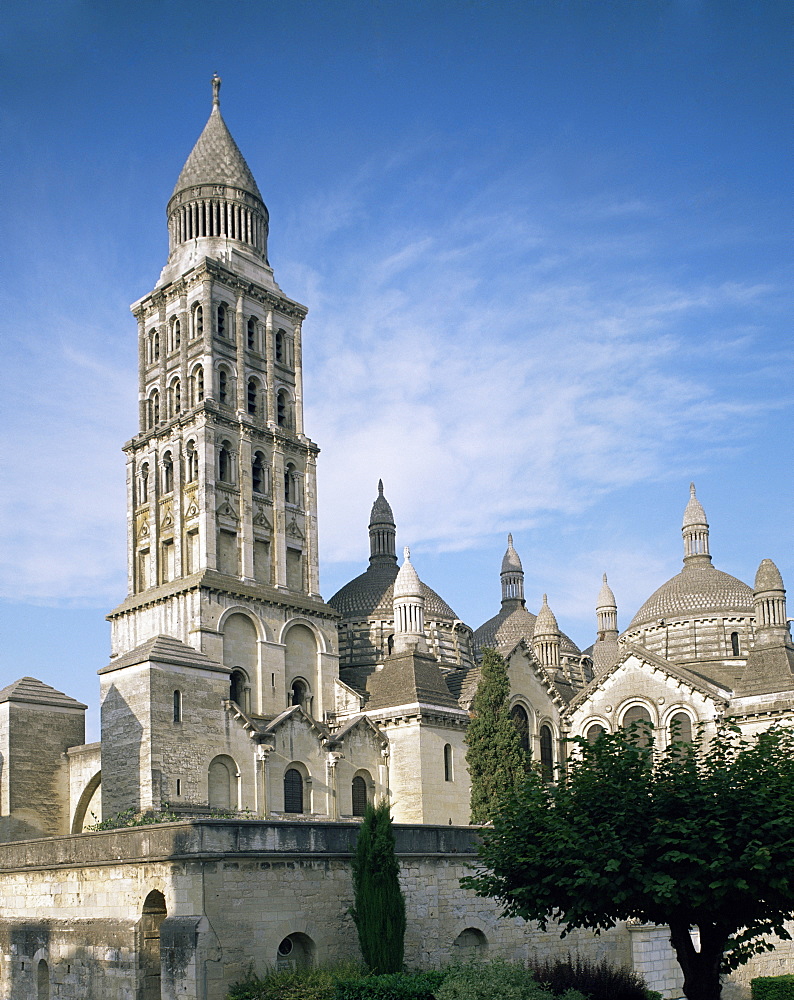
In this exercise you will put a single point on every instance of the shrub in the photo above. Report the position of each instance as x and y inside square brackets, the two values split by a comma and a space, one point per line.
[392, 986]
[496, 980]
[772, 988]
[598, 980]
[314, 983]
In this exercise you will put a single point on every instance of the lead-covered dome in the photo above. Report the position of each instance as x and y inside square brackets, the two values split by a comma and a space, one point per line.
[372, 595]
[505, 630]
[696, 592]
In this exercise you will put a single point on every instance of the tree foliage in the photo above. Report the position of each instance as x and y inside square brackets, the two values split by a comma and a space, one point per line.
[693, 835]
[378, 903]
[496, 760]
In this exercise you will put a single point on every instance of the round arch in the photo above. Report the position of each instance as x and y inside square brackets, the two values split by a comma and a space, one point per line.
[84, 801]
[322, 644]
[672, 713]
[240, 609]
[645, 703]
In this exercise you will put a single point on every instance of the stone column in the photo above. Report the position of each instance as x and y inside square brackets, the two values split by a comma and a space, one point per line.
[298, 380]
[270, 360]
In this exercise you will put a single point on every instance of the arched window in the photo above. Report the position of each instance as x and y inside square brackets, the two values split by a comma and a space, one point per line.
[293, 791]
[280, 346]
[199, 384]
[258, 473]
[237, 686]
[281, 408]
[735, 644]
[390, 645]
[198, 321]
[168, 473]
[252, 395]
[177, 706]
[176, 334]
[295, 952]
[175, 398]
[299, 694]
[144, 487]
[681, 728]
[191, 463]
[225, 463]
[470, 943]
[155, 346]
[447, 762]
[251, 334]
[593, 732]
[223, 387]
[154, 409]
[221, 318]
[289, 484]
[521, 721]
[359, 796]
[547, 752]
[43, 981]
[640, 718]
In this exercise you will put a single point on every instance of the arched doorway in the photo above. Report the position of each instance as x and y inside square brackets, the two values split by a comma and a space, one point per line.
[154, 913]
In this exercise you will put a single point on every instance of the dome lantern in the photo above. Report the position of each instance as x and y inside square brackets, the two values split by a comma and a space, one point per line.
[382, 530]
[409, 609]
[512, 575]
[695, 530]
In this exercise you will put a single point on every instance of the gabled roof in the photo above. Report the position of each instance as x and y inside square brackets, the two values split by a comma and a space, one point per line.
[681, 674]
[165, 649]
[359, 720]
[294, 712]
[32, 691]
[409, 679]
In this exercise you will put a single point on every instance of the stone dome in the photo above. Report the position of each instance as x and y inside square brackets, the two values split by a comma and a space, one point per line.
[698, 591]
[509, 627]
[768, 577]
[371, 595]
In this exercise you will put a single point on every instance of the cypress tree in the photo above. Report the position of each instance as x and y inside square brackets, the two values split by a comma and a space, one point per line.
[496, 760]
[378, 903]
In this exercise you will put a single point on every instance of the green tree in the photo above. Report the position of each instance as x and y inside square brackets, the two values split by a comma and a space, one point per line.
[496, 760]
[378, 903]
[695, 835]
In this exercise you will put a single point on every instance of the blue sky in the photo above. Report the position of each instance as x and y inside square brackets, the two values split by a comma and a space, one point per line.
[544, 245]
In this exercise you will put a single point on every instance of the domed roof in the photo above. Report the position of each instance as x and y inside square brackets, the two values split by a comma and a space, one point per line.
[693, 512]
[510, 626]
[696, 592]
[511, 562]
[215, 158]
[371, 595]
[768, 577]
[606, 599]
[546, 623]
[381, 509]
[407, 583]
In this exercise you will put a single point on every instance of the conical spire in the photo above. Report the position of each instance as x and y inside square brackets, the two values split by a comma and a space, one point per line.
[409, 609]
[695, 530]
[546, 638]
[216, 196]
[606, 611]
[512, 575]
[769, 601]
[382, 530]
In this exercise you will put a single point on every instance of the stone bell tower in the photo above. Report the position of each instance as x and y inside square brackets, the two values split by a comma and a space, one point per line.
[221, 496]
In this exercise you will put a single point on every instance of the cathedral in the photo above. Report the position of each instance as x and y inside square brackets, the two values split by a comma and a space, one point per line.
[235, 690]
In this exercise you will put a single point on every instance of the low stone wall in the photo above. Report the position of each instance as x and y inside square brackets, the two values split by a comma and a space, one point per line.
[185, 909]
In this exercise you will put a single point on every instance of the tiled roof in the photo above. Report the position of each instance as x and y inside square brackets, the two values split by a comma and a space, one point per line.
[510, 626]
[371, 595]
[216, 159]
[697, 591]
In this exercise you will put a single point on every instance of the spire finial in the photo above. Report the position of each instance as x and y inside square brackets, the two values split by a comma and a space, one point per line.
[380, 487]
[691, 489]
[605, 578]
[407, 553]
[510, 540]
[216, 91]
[545, 599]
